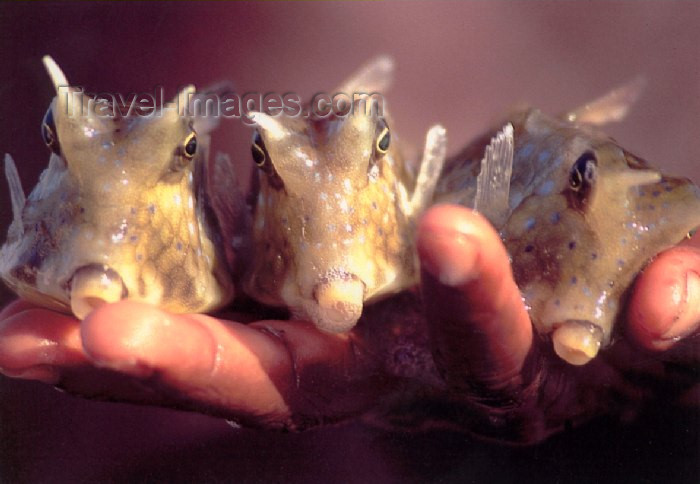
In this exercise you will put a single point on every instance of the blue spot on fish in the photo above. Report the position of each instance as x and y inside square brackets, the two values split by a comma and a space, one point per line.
[543, 156]
[574, 280]
[555, 217]
[587, 291]
[527, 150]
[546, 188]
[530, 223]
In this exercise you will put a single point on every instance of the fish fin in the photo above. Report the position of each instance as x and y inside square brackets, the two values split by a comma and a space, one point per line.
[610, 108]
[374, 76]
[430, 168]
[493, 182]
[16, 194]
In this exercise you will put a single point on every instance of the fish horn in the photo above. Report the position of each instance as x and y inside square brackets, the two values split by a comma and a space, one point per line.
[273, 129]
[182, 100]
[55, 73]
[633, 178]
[71, 95]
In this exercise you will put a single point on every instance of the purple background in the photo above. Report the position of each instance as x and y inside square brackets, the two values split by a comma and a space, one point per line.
[462, 64]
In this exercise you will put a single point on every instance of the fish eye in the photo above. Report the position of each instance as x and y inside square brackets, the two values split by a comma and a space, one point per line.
[48, 132]
[384, 138]
[262, 159]
[191, 145]
[583, 172]
[258, 150]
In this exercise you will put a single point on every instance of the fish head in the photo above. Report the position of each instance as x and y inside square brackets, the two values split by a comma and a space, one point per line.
[586, 217]
[328, 230]
[118, 213]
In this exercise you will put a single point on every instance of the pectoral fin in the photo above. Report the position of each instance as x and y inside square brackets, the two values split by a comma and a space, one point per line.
[430, 168]
[493, 182]
[16, 195]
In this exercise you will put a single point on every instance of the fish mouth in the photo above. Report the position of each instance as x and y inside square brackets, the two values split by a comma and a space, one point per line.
[339, 302]
[93, 285]
[577, 341]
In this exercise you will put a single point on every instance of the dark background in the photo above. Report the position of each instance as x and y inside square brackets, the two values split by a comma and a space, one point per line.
[462, 64]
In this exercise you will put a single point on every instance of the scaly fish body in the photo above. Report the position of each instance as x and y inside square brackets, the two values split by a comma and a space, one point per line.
[121, 212]
[582, 218]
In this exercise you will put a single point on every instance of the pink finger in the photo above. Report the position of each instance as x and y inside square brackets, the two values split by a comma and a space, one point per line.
[35, 343]
[481, 332]
[254, 372]
[665, 305]
[16, 306]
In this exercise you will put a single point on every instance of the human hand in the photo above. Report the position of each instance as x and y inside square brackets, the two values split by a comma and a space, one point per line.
[516, 387]
[286, 374]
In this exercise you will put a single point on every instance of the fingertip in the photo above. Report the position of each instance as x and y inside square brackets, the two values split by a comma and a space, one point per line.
[455, 242]
[138, 339]
[36, 343]
[665, 305]
[454, 218]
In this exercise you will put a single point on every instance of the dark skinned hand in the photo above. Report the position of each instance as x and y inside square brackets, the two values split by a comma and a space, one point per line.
[476, 354]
